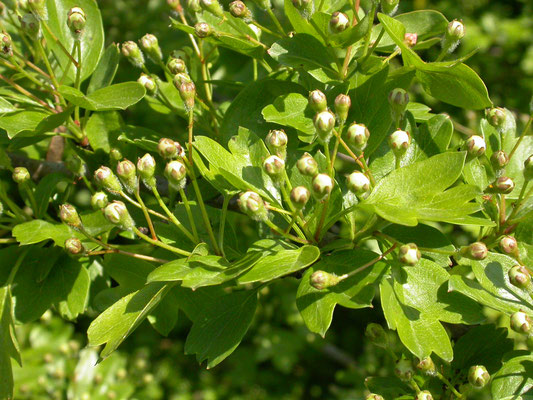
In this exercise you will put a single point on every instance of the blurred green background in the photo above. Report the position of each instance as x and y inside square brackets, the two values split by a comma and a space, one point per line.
[279, 358]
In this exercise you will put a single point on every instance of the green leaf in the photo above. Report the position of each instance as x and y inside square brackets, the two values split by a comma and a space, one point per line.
[45, 190]
[515, 377]
[102, 130]
[280, 263]
[76, 300]
[117, 322]
[435, 135]
[21, 121]
[8, 343]
[92, 39]
[114, 97]
[357, 291]
[6, 107]
[299, 23]
[105, 70]
[220, 325]
[416, 300]
[292, 110]
[417, 192]
[174, 270]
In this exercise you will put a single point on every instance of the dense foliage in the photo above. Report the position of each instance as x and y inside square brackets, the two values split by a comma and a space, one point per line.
[252, 171]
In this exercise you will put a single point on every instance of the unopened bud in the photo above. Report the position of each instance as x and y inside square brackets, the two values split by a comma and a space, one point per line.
[74, 246]
[528, 168]
[300, 196]
[203, 30]
[478, 376]
[276, 141]
[357, 136]
[7, 44]
[274, 167]
[519, 276]
[322, 186]
[398, 100]
[426, 366]
[69, 216]
[389, 6]
[180, 78]
[520, 322]
[404, 370]
[424, 395]
[127, 173]
[148, 82]
[496, 117]
[30, 25]
[131, 51]
[400, 141]
[508, 245]
[321, 280]
[194, 6]
[176, 66]
[150, 45]
[324, 124]
[239, 10]
[76, 20]
[212, 6]
[174, 4]
[377, 335]
[117, 213]
[307, 165]
[499, 160]
[306, 7]
[106, 179]
[169, 149]
[503, 184]
[409, 254]
[342, 106]
[20, 175]
[476, 145]
[253, 205]
[38, 7]
[115, 154]
[374, 396]
[99, 200]
[455, 30]
[475, 251]
[176, 173]
[187, 93]
[338, 22]
[146, 169]
[318, 101]
[410, 39]
[358, 183]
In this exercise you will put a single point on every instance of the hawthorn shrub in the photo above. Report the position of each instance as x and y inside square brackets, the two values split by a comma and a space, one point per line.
[311, 167]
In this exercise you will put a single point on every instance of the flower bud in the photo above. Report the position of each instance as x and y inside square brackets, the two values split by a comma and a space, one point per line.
[131, 51]
[21, 175]
[357, 136]
[148, 82]
[126, 171]
[377, 335]
[307, 165]
[324, 124]
[38, 7]
[194, 6]
[6, 43]
[519, 276]
[399, 141]
[321, 280]
[499, 160]
[529, 341]
[274, 167]
[508, 245]
[174, 4]
[424, 395]
[455, 30]
[338, 22]
[276, 141]
[180, 78]
[239, 10]
[478, 376]
[426, 366]
[76, 20]
[520, 322]
[496, 117]
[99, 200]
[398, 100]
[212, 6]
[150, 45]
[528, 168]
[69, 216]
[358, 183]
[389, 6]
[409, 254]
[117, 213]
[503, 184]
[475, 251]
[176, 174]
[322, 186]
[115, 154]
[318, 101]
[306, 7]
[187, 93]
[410, 39]
[146, 169]
[30, 25]
[106, 179]
[176, 66]
[74, 246]
[476, 145]
[253, 205]
[169, 149]
[300, 196]
[342, 106]
[404, 369]
[202, 30]
[373, 396]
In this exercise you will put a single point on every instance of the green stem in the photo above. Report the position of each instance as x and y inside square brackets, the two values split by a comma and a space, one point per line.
[322, 219]
[47, 64]
[370, 26]
[130, 200]
[328, 157]
[524, 132]
[443, 52]
[275, 228]
[276, 21]
[448, 383]
[373, 47]
[8, 240]
[392, 55]
[172, 217]
[58, 42]
[265, 29]
[189, 214]
[145, 212]
[518, 202]
[161, 244]
[16, 266]
[78, 78]
[223, 222]
[31, 197]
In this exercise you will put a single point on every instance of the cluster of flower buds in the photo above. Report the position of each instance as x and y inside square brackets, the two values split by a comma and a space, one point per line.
[99, 200]
[455, 31]
[503, 184]
[508, 245]
[322, 185]
[239, 10]
[338, 22]
[30, 24]
[203, 30]
[69, 215]
[133, 53]
[389, 6]
[318, 101]
[478, 376]
[187, 93]
[106, 179]
[499, 160]
[6, 44]
[427, 366]
[497, 117]
[253, 205]
[176, 173]
[276, 141]
[146, 170]
[74, 246]
[475, 251]
[399, 142]
[150, 45]
[398, 100]
[357, 136]
[358, 183]
[475, 145]
[176, 66]
[521, 322]
[275, 168]
[321, 280]
[148, 82]
[342, 106]
[307, 165]
[127, 174]
[117, 213]
[324, 124]
[76, 20]
[169, 149]
[20, 175]
[409, 254]
[300, 196]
